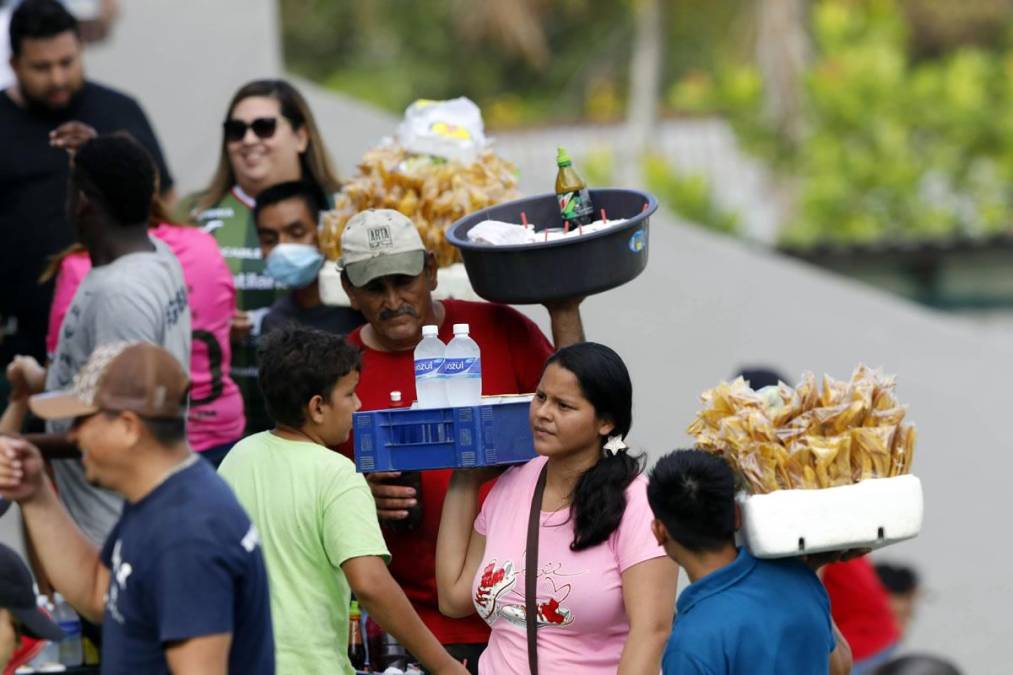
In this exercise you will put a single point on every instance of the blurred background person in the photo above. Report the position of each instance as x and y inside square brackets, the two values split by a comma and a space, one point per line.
[96, 17]
[20, 618]
[269, 136]
[135, 290]
[918, 664]
[50, 101]
[215, 419]
[904, 588]
[287, 216]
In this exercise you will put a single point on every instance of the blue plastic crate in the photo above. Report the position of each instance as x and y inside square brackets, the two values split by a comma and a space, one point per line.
[403, 439]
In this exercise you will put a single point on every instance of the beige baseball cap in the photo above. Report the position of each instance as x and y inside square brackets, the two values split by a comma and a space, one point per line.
[378, 242]
[136, 376]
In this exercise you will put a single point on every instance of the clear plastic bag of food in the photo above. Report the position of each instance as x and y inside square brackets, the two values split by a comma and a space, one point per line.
[815, 436]
[432, 192]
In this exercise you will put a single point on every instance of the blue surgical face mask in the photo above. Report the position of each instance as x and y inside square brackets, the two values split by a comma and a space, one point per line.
[294, 265]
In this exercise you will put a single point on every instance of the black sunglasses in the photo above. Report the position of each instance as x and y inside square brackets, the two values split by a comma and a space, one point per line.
[263, 127]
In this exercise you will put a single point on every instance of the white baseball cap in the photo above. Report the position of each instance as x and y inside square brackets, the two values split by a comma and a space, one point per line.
[379, 242]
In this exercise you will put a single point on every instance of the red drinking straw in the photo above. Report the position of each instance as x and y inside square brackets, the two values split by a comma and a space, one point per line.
[566, 227]
[524, 220]
[645, 207]
[603, 216]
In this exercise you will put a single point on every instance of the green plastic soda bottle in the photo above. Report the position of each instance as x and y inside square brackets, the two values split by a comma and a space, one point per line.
[571, 191]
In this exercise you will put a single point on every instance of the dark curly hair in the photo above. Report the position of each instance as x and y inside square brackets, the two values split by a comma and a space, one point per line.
[117, 172]
[298, 363]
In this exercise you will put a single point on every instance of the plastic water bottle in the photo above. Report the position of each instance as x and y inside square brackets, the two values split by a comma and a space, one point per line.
[429, 380]
[71, 653]
[49, 657]
[462, 367]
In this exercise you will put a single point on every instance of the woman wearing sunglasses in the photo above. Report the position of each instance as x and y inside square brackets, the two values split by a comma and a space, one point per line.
[269, 136]
[604, 590]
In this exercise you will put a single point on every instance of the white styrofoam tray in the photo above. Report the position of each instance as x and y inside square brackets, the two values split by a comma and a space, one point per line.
[869, 514]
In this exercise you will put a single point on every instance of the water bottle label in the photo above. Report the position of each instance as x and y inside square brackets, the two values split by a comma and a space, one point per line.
[70, 628]
[467, 367]
[427, 369]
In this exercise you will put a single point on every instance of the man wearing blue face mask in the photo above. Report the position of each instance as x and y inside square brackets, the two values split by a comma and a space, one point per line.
[286, 216]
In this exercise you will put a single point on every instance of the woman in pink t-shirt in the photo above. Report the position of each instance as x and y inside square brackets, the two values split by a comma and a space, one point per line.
[216, 419]
[605, 589]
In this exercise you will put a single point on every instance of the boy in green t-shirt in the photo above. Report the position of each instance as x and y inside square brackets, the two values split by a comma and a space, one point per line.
[315, 515]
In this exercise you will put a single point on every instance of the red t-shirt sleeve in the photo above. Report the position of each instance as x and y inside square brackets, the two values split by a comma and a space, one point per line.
[529, 348]
[860, 606]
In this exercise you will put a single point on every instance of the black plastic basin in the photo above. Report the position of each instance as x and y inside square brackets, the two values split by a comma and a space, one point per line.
[541, 272]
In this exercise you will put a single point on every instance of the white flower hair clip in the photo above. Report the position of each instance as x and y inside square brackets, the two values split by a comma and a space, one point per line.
[615, 445]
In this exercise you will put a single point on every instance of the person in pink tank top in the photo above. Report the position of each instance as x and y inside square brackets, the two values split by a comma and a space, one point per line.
[216, 419]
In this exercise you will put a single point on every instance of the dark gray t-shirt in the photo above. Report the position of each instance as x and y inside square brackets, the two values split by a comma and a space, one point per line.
[140, 297]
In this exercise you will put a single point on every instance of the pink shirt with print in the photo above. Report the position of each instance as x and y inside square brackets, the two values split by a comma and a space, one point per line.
[216, 407]
[582, 624]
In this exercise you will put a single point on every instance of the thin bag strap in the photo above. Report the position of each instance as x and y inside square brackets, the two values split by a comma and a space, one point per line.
[531, 572]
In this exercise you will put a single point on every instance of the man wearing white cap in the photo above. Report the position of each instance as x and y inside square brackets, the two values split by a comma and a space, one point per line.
[180, 584]
[389, 276]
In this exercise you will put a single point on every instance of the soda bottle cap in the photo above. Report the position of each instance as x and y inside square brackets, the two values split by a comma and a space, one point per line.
[461, 329]
[562, 158]
[395, 396]
[430, 330]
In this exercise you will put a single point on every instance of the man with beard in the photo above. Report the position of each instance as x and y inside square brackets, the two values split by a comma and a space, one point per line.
[50, 108]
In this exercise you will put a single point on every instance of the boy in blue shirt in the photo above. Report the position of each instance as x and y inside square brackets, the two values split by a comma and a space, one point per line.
[739, 614]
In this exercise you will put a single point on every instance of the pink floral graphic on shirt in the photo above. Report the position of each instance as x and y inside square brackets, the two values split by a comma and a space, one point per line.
[493, 583]
[497, 586]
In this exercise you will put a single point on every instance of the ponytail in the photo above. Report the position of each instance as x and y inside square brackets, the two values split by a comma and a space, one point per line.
[599, 500]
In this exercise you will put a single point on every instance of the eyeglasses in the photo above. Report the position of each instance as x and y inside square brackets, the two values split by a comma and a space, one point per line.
[263, 127]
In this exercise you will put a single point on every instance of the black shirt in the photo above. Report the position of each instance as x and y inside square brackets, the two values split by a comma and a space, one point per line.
[338, 320]
[33, 191]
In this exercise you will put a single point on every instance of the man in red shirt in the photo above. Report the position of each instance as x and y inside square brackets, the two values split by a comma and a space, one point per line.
[389, 277]
[861, 609]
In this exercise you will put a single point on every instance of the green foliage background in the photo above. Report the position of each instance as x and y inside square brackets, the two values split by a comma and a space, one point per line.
[894, 147]
[908, 104]
[390, 52]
